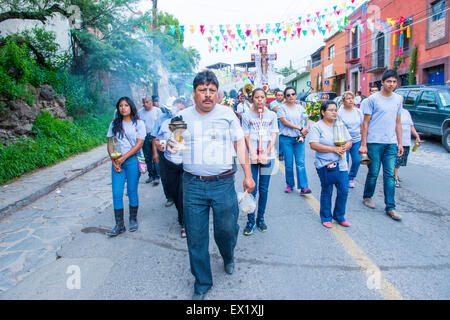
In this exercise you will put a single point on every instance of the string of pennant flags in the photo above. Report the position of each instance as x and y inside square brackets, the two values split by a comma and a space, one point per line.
[234, 76]
[228, 37]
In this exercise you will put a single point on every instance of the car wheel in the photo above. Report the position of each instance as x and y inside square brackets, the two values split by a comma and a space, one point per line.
[446, 139]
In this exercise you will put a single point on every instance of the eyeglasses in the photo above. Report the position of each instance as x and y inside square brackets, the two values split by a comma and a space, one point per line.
[290, 94]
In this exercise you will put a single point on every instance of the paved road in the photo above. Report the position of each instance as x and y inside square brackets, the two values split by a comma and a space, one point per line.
[47, 244]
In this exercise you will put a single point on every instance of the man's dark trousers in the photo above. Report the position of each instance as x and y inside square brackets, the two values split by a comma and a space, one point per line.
[152, 166]
[198, 197]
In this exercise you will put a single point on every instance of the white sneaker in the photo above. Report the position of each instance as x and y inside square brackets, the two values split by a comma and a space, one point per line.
[351, 184]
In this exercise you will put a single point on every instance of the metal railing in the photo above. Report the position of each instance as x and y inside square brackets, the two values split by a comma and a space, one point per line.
[376, 61]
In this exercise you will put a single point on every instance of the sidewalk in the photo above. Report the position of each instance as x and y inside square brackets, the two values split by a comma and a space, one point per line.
[32, 186]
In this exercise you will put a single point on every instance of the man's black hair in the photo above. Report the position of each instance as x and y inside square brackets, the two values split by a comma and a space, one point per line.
[205, 77]
[389, 74]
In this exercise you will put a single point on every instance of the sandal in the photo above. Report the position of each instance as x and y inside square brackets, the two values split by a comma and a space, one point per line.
[183, 233]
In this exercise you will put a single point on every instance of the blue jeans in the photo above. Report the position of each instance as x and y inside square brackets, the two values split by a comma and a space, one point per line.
[356, 158]
[291, 148]
[130, 173]
[198, 198]
[385, 154]
[280, 151]
[261, 172]
[328, 179]
[152, 166]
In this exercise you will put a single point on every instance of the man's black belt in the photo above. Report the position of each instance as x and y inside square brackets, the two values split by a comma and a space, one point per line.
[226, 174]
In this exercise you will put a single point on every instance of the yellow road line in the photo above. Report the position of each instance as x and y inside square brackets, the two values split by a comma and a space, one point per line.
[375, 279]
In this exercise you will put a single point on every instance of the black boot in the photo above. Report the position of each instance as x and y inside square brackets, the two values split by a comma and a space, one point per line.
[133, 218]
[120, 226]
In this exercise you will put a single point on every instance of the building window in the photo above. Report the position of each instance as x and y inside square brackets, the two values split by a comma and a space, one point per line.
[437, 26]
[331, 52]
[404, 34]
[438, 10]
[355, 44]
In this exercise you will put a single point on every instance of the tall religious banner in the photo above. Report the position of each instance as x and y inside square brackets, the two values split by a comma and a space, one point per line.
[264, 63]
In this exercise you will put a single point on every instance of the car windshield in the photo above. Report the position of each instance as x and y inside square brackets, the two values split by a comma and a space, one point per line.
[445, 97]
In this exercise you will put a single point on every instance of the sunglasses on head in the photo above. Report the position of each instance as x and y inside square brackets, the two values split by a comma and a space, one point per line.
[290, 94]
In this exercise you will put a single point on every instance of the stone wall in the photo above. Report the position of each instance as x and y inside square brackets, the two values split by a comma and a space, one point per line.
[17, 117]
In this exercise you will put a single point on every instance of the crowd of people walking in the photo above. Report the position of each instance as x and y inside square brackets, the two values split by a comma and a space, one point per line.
[196, 165]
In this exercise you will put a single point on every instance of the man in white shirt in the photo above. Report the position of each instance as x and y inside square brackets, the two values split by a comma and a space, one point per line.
[213, 133]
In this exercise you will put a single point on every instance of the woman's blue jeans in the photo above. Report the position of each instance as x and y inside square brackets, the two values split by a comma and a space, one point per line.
[328, 179]
[356, 158]
[130, 173]
[261, 173]
[292, 149]
[385, 154]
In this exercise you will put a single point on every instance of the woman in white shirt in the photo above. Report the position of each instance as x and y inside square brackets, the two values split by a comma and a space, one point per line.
[260, 128]
[352, 118]
[130, 132]
[294, 126]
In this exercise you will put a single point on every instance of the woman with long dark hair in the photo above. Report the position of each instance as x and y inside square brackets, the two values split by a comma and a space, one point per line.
[130, 133]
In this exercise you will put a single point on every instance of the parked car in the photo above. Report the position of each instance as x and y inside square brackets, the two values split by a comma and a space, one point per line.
[316, 96]
[430, 109]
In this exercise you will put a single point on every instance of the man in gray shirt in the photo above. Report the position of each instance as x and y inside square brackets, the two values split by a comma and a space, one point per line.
[212, 137]
[381, 140]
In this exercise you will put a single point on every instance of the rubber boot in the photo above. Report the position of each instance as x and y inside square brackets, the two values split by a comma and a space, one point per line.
[120, 226]
[133, 219]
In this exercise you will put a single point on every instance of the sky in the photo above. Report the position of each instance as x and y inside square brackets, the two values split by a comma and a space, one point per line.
[214, 12]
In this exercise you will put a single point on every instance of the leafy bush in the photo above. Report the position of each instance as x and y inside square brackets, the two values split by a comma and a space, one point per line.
[313, 110]
[16, 69]
[55, 140]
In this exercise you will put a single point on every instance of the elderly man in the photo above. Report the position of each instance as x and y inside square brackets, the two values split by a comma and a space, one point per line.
[213, 132]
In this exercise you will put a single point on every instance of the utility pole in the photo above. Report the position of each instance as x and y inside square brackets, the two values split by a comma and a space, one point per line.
[155, 15]
[155, 25]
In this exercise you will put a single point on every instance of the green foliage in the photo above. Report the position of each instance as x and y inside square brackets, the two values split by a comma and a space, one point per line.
[286, 71]
[55, 140]
[79, 100]
[413, 67]
[313, 110]
[16, 70]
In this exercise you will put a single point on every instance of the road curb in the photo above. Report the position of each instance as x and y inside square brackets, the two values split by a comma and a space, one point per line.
[11, 208]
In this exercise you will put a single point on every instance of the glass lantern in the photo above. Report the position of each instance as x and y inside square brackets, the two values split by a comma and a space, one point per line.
[178, 127]
[339, 134]
[114, 149]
